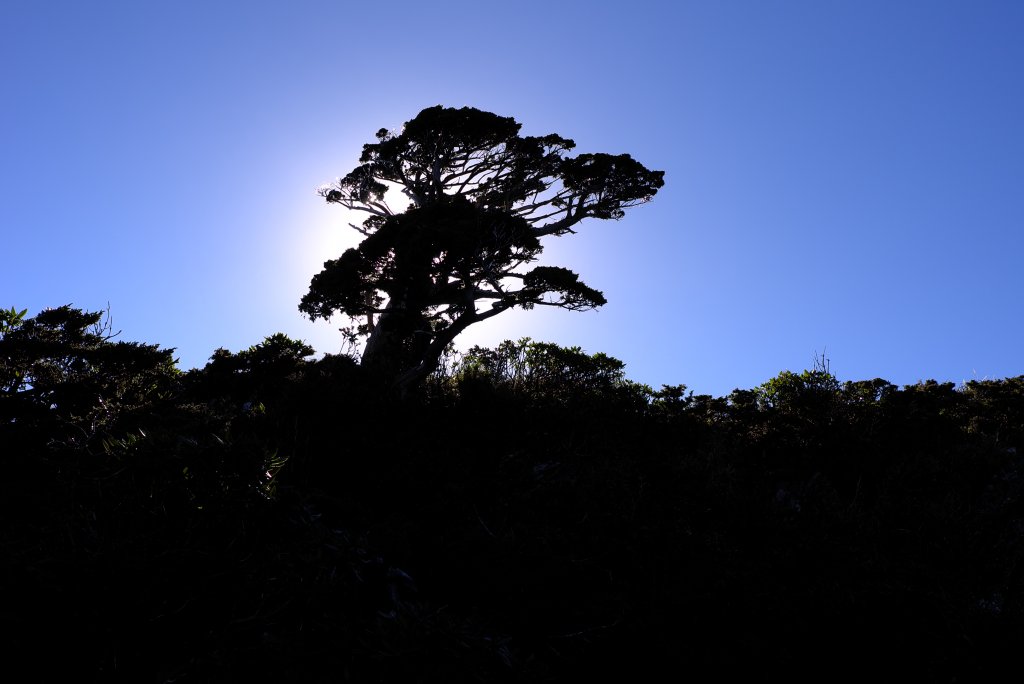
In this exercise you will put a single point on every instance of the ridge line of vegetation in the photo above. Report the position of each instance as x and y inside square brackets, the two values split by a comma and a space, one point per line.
[529, 514]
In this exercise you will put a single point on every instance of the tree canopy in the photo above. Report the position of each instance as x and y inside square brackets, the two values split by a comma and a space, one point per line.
[480, 198]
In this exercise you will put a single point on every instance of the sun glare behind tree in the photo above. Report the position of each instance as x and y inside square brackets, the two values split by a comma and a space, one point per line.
[465, 249]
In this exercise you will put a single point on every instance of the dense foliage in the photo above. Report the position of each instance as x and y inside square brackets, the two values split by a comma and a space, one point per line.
[531, 516]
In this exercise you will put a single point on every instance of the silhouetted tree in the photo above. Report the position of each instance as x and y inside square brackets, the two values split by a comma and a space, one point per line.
[481, 196]
[547, 373]
[60, 368]
[263, 370]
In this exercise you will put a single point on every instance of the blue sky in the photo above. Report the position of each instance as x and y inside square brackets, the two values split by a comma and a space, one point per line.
[841, 177]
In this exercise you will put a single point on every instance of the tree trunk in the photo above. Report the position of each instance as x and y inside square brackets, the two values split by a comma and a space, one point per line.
[430, 356]
[397, 341]
[404, 350]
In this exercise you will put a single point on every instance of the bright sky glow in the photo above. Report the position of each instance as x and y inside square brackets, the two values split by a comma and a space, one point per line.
[842, 177]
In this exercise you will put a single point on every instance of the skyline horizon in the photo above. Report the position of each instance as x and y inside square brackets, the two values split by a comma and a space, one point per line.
[842, 179]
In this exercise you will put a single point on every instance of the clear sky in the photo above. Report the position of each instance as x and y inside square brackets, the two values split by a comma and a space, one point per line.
[842, 177]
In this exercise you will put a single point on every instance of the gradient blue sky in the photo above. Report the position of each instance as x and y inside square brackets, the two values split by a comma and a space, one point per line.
[841, 177]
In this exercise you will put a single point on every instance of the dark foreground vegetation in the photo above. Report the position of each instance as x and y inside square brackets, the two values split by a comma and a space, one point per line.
[528, 515]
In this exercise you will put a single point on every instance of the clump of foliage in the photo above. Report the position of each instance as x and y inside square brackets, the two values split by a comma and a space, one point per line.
[545, 372]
